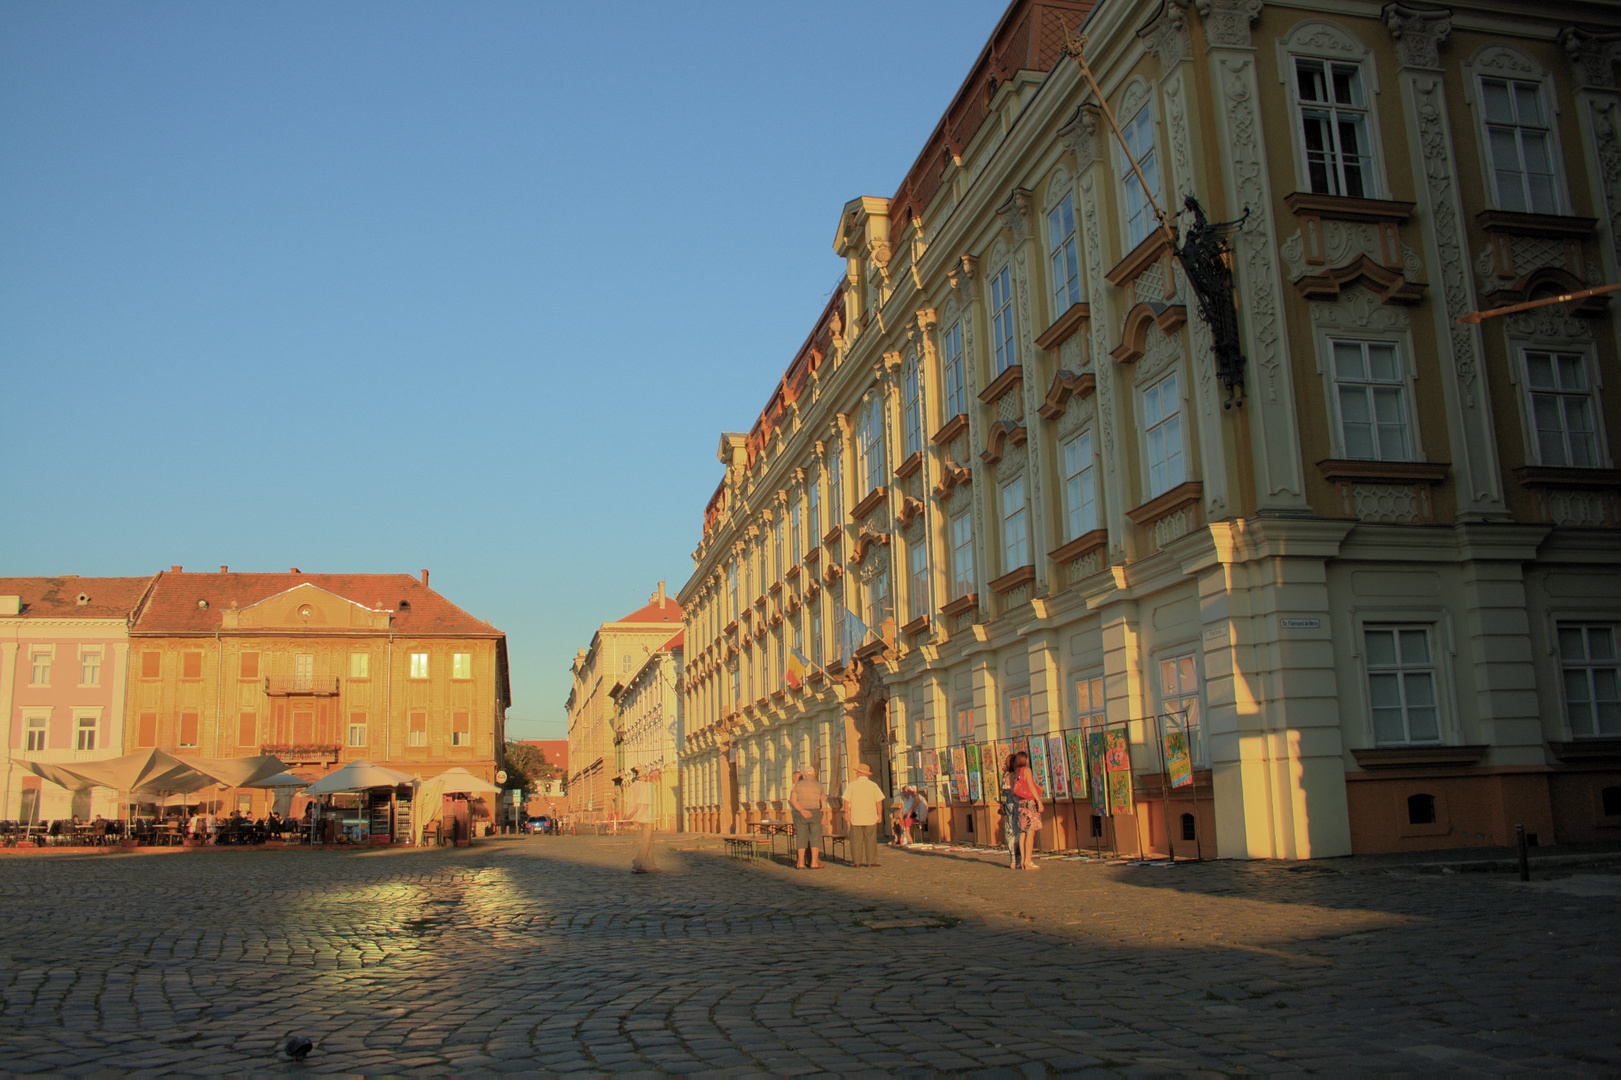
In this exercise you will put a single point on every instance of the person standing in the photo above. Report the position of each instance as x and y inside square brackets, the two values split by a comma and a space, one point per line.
[863, 809]
[1010, 810]
[806, 803]
[920, 811]
[1030, 807]
[640, 812]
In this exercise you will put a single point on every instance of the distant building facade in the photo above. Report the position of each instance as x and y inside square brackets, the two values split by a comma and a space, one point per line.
[617, 651]
[650, 731]
[1371, 575]
[64, 665]
[551, 795]
[317, 669]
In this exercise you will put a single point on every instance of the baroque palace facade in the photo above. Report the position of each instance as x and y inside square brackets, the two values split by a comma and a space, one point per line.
[1374, 589]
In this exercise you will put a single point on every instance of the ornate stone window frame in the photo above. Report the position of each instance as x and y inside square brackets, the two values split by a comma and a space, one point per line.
[1391, 331]
[1154, 366]
[1500, 60]
[1060, 186]
[1321, 39]
[1552, 328]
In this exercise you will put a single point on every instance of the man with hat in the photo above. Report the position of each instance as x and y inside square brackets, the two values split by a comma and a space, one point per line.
[863, 809]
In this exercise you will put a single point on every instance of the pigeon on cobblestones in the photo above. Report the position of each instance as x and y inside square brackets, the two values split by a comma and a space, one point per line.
[298, 1046]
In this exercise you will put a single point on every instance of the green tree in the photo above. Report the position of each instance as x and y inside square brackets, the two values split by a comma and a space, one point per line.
[526, 767]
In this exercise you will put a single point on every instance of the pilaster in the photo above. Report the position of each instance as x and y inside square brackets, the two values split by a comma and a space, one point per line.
[1598, 109]
[1477, 475]
[1270, 402]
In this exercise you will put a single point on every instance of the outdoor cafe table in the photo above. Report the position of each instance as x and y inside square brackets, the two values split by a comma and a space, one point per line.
[773, 829]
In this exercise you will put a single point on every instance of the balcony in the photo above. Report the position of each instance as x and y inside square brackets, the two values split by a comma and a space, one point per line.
[293, 686]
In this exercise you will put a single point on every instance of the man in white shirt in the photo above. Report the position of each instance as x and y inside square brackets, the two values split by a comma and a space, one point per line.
[863, 809]
[640, 812]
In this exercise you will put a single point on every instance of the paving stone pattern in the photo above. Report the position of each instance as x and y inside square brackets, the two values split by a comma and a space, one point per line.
[545, 955]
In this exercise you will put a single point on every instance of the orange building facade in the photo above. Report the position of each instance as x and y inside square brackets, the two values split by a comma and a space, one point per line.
[317, 669]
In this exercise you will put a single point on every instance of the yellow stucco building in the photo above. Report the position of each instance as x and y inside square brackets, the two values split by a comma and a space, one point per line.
[1360, 557]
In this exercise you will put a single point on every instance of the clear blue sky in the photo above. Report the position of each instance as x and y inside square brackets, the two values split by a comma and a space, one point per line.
[374, 287]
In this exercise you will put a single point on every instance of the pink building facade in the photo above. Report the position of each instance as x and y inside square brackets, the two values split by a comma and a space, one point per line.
[64, 663]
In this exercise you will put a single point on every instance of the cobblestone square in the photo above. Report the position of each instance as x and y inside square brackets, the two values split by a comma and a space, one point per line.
[545, 955]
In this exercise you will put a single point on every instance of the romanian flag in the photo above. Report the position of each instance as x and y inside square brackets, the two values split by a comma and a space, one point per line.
[794, 671]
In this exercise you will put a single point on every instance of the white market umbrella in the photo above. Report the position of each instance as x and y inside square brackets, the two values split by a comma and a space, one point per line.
[239, 772]
[357, 776]
[281, 786]
[459, 781]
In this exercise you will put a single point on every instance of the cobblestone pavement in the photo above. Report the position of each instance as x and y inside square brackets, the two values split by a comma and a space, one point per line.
[545, 955]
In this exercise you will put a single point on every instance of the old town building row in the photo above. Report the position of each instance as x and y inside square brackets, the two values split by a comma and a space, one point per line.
[1010, 488]
[317, 669]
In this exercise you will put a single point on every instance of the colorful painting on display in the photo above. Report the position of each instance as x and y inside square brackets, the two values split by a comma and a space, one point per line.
[1177, 762]
[1075, 757]
[1117, 763]
[1055, 762]
[959, 774]
[1097, 746]
[931, 767]
[1038, 767]
[975, 789]
[1117, 755]
[990, 767]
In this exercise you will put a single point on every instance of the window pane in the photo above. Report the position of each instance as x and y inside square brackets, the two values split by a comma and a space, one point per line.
[1600, 643]
[1347, 85]
[1387, 726]
[1499, 106]
[1415, 647]
[1539, 370]
[1578, 706]
[1572, 371]
[1528, 102]
[1349, 363]
[1422, 725]
[1381, 647]
[1382, 363]
[1384, 692]
[1571, 644]
[1309, 78]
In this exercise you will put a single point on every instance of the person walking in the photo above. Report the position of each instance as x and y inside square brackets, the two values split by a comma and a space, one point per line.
[806, 802]
[1010, 810]
[1030, 807]
[640, 811]
[920, 811]
[863, 810]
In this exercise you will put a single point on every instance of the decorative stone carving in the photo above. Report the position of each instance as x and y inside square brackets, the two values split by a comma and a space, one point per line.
[1255, 241]
[1504, 60]
[1343, 241]
[1432, 139]
[1358, 309]
[1166, 38]
[1581, 508]
[1227, 22]
[1092, 254]
[1160, 352]
[1085, 566]
[1173, 526]
[1550, 325]
[1418, 33]
[1150, 284]
[1592, 57]
[1391, 503]
[1014, 214]
[1080, 136]
[1132, 99]
[1324, 38]
[1011, 465]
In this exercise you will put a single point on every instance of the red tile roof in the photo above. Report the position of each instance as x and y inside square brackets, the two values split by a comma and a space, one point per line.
[417, 610]
[673, 644]
[57, 597]
[652, 613]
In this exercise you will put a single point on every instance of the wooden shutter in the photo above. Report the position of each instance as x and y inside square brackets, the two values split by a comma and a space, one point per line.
[191, 665]
[146, 732]
[151, 665]
[303, 727]
[247, 730]
[250, 665]
[188, 728]
[418, 729]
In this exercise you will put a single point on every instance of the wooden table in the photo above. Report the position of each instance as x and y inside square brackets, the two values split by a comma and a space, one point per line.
[773, 829]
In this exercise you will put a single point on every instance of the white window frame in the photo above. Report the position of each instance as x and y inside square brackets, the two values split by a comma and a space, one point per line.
[813, 510]
[1162, 423]
[1592, 394]
[912, 410]
[1017, 710]
[953, 384]
[777, 565]
[303, 671]
[86, 723]
[1335, 176]
[461, 666]
[36, 724]
[870, 445]
[1063, 256]
[1405, 384]
[1088, 700]
[962, 555]
[1181, 660]
[90, 660]
[879, 601]
[419, 665]
[1077, 459]
[1527, 70]
[731, 589]
[41, 658]
[1015, 521]
[1137, 220]
[917, 561]
[796, 525]
[1402, 669]
[357, 729]
[359, 666]
[1588, 665]
[835, 485]
[1004, 326]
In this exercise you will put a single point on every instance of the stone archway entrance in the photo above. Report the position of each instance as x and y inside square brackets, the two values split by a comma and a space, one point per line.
[866, 722]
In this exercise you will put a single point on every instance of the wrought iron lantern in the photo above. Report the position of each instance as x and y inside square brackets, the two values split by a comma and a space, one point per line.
[1206, 254]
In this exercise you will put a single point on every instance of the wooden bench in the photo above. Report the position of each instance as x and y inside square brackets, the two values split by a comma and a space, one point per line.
[747, 847]
[831, 842]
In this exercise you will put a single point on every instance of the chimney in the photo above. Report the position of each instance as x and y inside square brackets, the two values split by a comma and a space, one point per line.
[174, 569]
[424, 579]
[224, 569]
[292, 569]
[662, 597]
